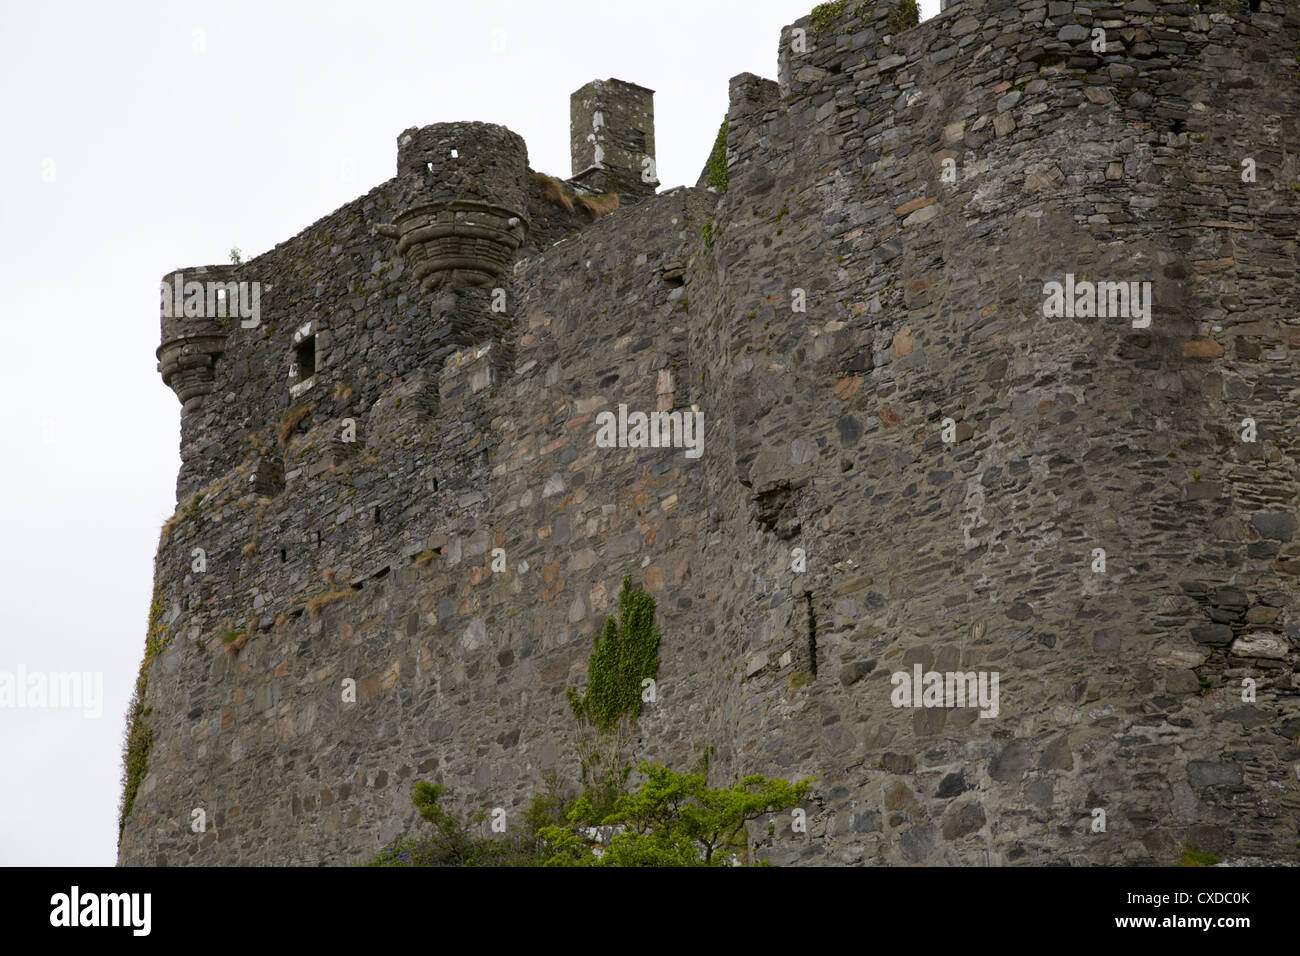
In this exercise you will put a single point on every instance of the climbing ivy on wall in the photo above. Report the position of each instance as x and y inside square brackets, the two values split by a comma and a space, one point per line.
[717, 163]
[672, 820]
[624, 655]
[139, 738]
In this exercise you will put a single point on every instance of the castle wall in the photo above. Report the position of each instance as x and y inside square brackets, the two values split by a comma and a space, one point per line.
[1120, 691]
[924, 302]
[460, 671]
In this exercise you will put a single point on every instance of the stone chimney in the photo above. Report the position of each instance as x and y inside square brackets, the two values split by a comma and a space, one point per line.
[612, 139]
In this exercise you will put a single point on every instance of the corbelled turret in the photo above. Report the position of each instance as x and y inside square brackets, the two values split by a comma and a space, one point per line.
[466, 186]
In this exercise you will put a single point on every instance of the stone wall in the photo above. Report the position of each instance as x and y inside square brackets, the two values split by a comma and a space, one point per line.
[852, 302]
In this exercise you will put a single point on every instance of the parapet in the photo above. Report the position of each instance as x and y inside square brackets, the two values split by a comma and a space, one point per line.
[483, 162]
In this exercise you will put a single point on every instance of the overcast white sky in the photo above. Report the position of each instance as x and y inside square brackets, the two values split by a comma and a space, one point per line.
[139, 137]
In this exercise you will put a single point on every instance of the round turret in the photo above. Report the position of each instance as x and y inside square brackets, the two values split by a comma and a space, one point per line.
[464, 189]
[197, 307]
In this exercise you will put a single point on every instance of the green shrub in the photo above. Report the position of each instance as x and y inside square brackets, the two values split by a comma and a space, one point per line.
[454, 842]
[904, 16]
[675, 819]
[1191, 858]
[823, 15]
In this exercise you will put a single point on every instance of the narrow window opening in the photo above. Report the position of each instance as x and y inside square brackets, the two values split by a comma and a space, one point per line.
[377, 515]
[430, 166]
[454, 154]
[302, 361]
[284, 555]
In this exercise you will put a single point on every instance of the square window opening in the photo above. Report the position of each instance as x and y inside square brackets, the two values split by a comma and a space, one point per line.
[304, 359]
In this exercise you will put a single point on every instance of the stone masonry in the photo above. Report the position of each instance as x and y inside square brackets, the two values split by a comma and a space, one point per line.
[910, 463]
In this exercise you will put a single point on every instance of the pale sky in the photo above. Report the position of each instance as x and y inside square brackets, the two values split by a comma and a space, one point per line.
[143, 136]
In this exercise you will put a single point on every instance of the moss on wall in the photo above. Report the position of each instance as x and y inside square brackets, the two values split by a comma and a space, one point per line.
[716, 167]
[139, 738]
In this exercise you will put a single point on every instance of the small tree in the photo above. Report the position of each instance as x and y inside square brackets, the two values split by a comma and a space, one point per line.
[452, 842]
[673, 820]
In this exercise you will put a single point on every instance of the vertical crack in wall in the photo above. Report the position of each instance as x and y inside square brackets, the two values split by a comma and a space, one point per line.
[812, 634]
